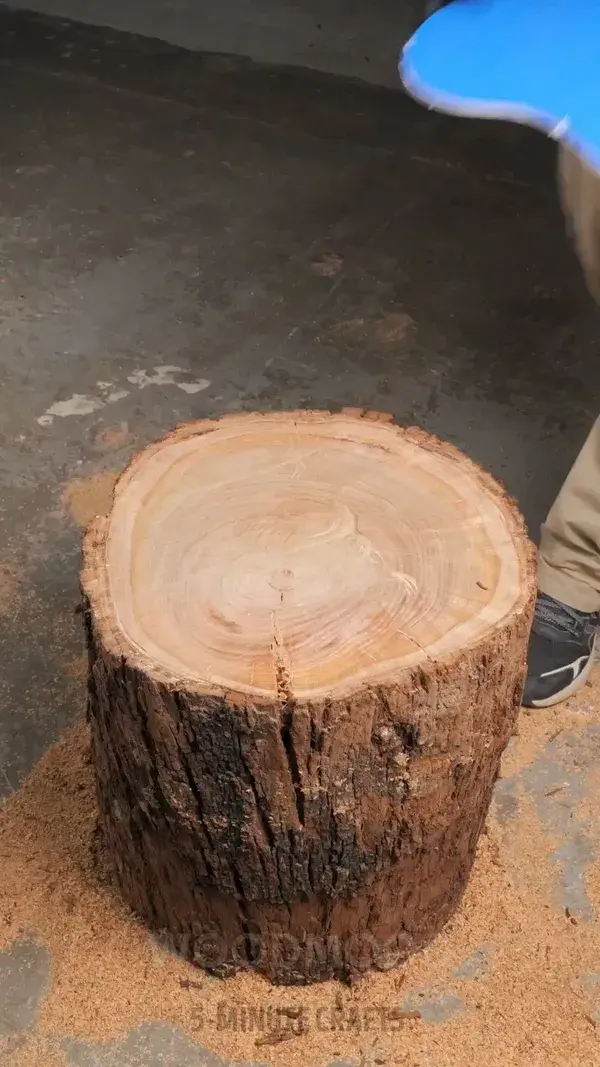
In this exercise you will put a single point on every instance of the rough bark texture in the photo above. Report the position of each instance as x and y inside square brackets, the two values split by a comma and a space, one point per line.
[305, 840]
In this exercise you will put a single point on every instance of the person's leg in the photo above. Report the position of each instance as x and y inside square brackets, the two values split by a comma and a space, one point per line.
[579, 189]
[566, 622]
[569, 558]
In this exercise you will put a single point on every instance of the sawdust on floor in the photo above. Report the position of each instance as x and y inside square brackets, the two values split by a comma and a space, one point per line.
[77, 668]
[10, 588]
[109, 976]
[35, 1051]
[85, 498]
[534, 731]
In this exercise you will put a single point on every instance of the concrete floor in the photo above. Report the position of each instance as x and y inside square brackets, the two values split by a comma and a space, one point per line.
[184, 236]
[335, 36]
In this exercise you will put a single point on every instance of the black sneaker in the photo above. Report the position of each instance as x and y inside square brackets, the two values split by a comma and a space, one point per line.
[561, 652]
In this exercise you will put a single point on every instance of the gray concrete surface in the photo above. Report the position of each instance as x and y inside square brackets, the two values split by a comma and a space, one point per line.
[334, 36]
[184, 236]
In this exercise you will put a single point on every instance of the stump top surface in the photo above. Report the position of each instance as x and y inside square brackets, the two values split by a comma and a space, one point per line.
[303, 554]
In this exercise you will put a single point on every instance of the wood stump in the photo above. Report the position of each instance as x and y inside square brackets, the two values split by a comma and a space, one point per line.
[307, 636]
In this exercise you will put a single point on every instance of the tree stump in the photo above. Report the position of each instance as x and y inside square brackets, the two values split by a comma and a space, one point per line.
[307, 637]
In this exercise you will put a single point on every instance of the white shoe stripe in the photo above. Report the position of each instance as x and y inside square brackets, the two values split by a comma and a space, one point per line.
[576, 666]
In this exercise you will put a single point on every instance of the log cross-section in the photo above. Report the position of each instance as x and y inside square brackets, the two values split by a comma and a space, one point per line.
[307, 636]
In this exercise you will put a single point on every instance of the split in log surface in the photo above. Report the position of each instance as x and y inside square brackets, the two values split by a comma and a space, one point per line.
[307, 637]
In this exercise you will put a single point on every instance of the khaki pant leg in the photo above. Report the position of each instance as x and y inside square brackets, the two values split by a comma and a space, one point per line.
[579, 188]
[569, 568]
[570, 541]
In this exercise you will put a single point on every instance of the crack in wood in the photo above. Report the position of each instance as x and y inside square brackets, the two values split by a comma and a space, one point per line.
[283, 672]
[287, 740]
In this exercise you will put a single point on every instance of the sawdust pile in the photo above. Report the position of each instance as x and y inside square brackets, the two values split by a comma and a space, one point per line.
[85, 498]
[108, 976]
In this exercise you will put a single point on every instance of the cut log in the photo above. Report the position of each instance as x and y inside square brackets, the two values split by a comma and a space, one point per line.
[307, 636]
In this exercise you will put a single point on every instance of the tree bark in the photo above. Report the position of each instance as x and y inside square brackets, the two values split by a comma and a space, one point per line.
[305, 830]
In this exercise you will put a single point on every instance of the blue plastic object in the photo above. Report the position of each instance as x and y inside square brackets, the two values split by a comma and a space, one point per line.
[536, 62]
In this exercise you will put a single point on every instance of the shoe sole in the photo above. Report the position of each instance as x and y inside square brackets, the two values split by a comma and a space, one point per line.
[577, 683]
